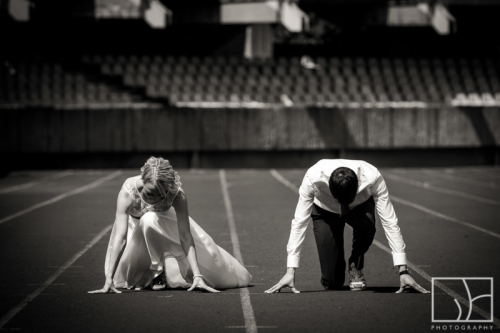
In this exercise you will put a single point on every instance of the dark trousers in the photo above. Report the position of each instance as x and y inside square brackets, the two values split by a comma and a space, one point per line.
[329, 234]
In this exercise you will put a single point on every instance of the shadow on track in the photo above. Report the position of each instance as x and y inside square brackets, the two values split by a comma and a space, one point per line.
[372, 290]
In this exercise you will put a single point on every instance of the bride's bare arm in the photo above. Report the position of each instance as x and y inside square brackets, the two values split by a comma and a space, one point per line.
[118, 242]
[181, 209]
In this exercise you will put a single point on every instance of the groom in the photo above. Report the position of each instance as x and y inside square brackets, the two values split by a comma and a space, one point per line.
[333, 193]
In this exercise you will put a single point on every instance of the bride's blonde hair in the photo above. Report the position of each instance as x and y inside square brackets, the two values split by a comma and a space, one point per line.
[158, 174]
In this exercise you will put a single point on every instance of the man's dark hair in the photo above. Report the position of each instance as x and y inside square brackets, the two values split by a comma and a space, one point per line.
[343, 185]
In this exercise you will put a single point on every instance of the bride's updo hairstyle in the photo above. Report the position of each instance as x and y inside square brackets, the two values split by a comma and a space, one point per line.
[158, 174]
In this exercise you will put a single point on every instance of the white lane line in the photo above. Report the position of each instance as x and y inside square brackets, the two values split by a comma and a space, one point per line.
[35, 182]
[428, 186]
[42, 284]
[229, 293]
[62, 196]
[10, 329]
[257, 327]
[248, 314]
[482, 172]
[68, 266]
[411, 265]
[38, 295]
[284, 181]
[493, 172]
[444, 217]
[398, 170]
[9, 315]
[459, 179]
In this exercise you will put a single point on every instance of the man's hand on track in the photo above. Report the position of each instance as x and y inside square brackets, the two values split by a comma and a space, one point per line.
[408, 282]
[288, 281]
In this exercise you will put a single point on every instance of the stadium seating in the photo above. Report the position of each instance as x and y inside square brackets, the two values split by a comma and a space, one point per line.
[346, 80]
[231, 81]
[32, 82]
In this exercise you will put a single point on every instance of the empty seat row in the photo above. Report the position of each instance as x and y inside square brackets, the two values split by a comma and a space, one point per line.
[344, 79]
[292, 61]
[28, 83]
[438, 78]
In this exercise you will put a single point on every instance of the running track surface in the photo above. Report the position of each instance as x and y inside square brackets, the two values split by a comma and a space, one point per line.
[54, 229]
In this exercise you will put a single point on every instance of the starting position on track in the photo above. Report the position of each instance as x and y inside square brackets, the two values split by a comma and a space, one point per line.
[152, 245]
[333, 193]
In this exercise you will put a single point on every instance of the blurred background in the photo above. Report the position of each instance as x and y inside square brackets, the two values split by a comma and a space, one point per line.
[248, 84]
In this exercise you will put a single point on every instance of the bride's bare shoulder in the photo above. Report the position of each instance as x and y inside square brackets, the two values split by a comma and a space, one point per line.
[138, 182]
[134, 181]
[131, 185]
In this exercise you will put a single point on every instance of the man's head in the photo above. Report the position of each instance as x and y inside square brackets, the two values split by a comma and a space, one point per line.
[343, 185]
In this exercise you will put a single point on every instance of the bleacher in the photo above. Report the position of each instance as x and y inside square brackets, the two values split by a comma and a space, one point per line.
[236, 82]
[36, 82]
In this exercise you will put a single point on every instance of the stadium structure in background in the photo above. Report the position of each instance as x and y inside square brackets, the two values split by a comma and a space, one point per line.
[402, 82]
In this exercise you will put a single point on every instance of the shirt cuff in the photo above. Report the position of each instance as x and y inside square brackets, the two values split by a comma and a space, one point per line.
[399, 258]
[292, 261]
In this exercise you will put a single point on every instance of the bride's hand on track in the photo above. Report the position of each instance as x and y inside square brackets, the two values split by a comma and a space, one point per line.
[108, 286]
[200, 284]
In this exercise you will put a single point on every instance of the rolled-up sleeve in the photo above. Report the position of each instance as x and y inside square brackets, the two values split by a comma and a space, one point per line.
[389, 221]
[300, 222]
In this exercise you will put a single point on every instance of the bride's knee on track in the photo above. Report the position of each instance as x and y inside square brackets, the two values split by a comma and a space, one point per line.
[249, 279]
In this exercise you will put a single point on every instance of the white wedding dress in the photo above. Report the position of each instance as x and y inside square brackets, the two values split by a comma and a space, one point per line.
[153, 246]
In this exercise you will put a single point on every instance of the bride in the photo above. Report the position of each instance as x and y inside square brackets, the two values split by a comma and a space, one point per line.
[153, 245]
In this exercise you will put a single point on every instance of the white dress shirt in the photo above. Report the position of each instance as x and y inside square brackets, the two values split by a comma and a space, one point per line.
[314, 189]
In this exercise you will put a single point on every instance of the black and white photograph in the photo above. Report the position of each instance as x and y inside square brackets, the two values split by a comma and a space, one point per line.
[295, 166]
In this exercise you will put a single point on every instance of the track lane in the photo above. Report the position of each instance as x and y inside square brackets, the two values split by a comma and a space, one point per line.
[483, 173]
[442, 190]
[263, 209]
[11, 203]
[172, 310]
[18, 178]
[441, 180]
[470, 181]
[450, 250]
[313, 310]
[34, 245]
[481, 214]
[37, 181]
[442, 249]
